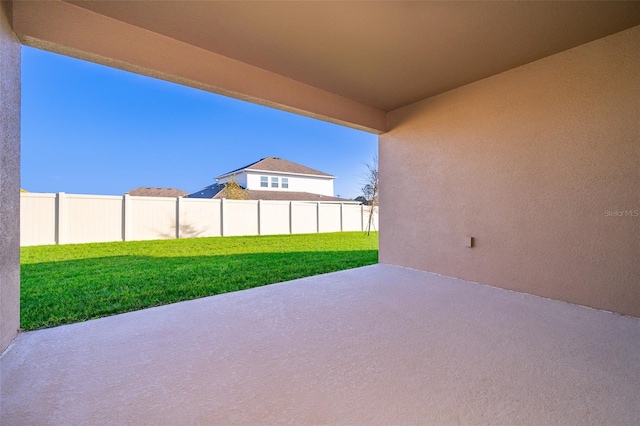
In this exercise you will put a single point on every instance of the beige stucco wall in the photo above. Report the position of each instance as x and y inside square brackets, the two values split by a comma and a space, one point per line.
[9, 181]
[529, 163]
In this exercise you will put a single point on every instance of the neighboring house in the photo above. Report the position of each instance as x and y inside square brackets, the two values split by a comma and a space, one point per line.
[277, 174]
[363, 200]
[274, 178]
[145, 191]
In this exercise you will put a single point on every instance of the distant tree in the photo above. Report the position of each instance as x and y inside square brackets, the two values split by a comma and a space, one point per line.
[362, 200]
[370, 189]
[233, 191]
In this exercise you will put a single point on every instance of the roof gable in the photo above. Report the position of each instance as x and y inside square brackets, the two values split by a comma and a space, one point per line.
[278, 165]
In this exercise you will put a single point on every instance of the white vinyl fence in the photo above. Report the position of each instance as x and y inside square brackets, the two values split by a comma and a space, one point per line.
[69, 218]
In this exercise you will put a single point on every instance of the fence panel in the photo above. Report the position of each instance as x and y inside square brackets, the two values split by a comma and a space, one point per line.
[152, 218]
[374, 221]
[274, 217]
[199, 218]
[93, 218]
[351, 217]
[72, 218]
[240, 217]
[37, 219]
[329, 218]
[304, 218]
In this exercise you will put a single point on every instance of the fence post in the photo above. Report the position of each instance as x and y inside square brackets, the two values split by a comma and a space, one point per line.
[341, 217]
[259, 215]
[222, 217]
[291, 217]
[362, 217]
[318, 217]
[126, 217]
[178, 211]
[61, 218]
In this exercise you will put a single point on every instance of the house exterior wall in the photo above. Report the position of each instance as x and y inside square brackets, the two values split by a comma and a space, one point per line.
[540, 165]
[9, 180]
[314, 185]
[241, 179]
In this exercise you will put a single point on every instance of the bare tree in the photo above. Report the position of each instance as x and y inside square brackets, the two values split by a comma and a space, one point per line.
[233, 191]
[370, 189]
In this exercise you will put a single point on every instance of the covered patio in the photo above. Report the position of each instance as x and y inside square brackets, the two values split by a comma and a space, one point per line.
[509, 154]
[374, 345]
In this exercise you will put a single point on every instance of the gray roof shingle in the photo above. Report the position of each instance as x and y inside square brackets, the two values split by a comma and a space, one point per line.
[290, 196]
[215, 191]
[275, 164]
[147, 191]
[207, 192]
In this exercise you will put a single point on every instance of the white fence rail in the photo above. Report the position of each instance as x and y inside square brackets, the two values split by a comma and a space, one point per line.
[70, 218]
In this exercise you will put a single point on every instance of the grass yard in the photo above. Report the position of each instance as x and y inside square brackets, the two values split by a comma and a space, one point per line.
[71, 283]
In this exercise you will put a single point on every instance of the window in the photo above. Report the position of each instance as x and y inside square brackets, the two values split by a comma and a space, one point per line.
[264, 182]
[274, 182]
[285, 182]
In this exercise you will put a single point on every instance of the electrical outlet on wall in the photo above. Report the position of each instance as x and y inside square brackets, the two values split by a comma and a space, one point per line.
[468, 242]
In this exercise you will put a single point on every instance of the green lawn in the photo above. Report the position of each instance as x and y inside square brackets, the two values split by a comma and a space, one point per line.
[70, 283]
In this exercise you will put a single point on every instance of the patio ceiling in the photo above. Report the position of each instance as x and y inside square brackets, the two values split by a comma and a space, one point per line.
[347, 62]
[382, 54]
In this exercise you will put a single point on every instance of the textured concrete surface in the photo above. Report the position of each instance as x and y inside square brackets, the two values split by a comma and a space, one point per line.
[374, 345]
[9, 180]
[540, 165]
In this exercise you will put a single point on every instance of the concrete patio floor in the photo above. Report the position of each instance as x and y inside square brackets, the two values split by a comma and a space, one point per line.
[374, 345]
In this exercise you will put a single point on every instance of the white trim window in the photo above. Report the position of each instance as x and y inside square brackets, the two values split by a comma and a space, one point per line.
[285, 183]
[274, 182]
[264, 182]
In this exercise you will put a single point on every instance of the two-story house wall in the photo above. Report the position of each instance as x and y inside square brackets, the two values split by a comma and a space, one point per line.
[276, 174]
[274, 178]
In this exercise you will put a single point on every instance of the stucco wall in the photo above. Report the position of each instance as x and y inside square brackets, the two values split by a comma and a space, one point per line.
[9, 181]
[533, 163]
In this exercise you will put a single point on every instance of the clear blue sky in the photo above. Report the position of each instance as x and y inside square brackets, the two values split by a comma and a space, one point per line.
[90, 129]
